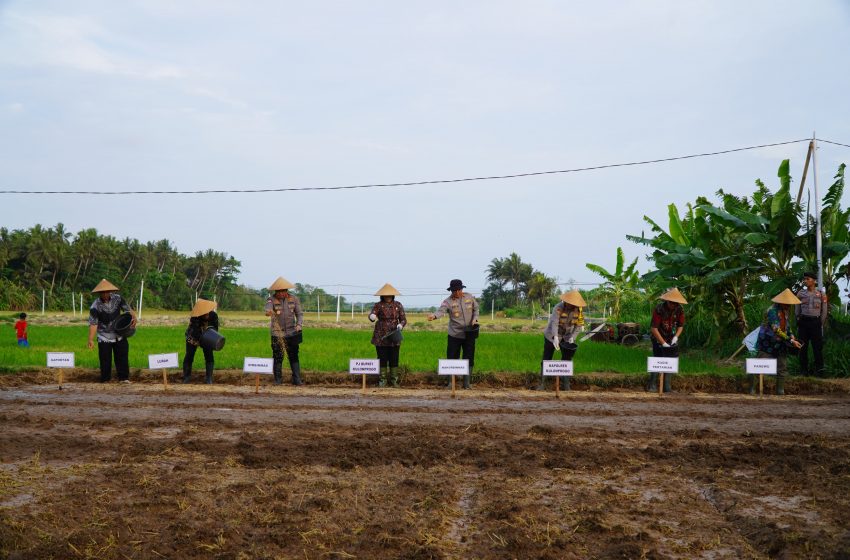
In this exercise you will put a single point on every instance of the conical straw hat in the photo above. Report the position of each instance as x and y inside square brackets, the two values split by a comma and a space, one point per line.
[787, 297]
[281, 284]
[573, 298]
[675, 296]
[387, 290]
[105, 286]
[202, 307]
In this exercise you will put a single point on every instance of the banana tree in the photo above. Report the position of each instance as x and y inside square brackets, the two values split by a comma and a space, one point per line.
[617, 285]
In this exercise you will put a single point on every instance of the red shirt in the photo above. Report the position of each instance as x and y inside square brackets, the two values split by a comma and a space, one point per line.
[667, 321]
[21, 327]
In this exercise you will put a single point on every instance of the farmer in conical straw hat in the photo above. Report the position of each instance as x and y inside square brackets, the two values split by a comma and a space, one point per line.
[565, 322]
[668, 322]
[775, 340]
[389, 318]
[462, 309]
[103, 314]
[286, 323]
[203, 317]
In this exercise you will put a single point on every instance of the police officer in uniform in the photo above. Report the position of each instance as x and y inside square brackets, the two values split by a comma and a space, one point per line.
[462, 309]
[565, 322]
[811, 315]
[287, 320]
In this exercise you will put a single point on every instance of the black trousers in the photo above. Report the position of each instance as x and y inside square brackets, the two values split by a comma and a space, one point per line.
[465, 345]
[189, 358]
[388, 355]
[121, 351]
[810, 331]
[549, 351]
[287, 345]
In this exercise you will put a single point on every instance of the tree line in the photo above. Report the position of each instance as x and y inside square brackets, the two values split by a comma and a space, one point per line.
[60, 263]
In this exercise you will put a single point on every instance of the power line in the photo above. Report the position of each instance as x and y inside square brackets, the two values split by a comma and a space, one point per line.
[432, 182]
[831, 142]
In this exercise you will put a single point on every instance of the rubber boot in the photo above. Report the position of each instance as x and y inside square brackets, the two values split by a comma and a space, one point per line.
[753, 383]
[278, 373]
[209, 373]
[780, 385]
[466, 379]
[652, 385]
[668, 379]
[394, 377]
[383, 377]
[565, 383]
[296, 374]
[187, 373]
[542, 385]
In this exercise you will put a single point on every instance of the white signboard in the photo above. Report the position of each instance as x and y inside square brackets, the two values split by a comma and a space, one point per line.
[60, 359]
[162, 361]
[453, 367]
[764, 366]
[557, 367]
[258, 365]
[364, 367]
[662, 365]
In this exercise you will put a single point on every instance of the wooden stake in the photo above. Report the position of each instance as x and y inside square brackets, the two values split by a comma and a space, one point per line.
[164, 379]
[61, 378]
[661, 383]
[761, 384]
[257, 384]
[364, 383]
[557, 387]
[453, 386]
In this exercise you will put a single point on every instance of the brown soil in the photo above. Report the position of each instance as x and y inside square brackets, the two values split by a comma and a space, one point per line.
[116, 471]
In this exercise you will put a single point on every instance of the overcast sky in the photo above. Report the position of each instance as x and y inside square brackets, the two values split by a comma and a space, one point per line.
[164, 95]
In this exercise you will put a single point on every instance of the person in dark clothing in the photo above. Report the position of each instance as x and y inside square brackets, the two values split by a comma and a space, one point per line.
[203, 318]
[668, 322]
[775, 340]
[811, 315]
[103, 315]
[287, 321]
[389, 318]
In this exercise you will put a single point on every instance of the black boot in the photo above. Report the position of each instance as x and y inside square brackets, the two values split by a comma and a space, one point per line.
[278, 373]
[780, 385]
[668, 379]
[210, 366]
[394, 377]
[187, 373]
[542, 385]
[565, 383]
[383, 377]
[652, 385]
[753, 383]
[296, 374]
[466, 379]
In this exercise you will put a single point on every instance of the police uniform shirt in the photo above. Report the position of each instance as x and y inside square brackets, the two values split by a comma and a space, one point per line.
[811, 305]
[462, 312]
[290, 316]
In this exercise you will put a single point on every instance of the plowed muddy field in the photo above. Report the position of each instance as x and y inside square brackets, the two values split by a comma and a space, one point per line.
[131, 471]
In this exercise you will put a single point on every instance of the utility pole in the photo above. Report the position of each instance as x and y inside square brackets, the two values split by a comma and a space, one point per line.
[818, 242]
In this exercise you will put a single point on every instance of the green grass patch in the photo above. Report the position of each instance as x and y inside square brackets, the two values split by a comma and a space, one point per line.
[328, 350]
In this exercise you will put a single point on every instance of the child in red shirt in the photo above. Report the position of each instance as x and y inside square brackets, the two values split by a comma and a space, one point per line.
[21, 328]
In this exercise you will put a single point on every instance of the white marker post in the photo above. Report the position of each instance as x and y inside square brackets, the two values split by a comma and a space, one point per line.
[662, 366]
[73, 305]
[141, 295]
[42, 302]
[60, 361]
[163, 362]
[81, 304]
[556, 369]
[364, 368]
[338, 296]
[761, 367]
[453, 368]
[258, 366]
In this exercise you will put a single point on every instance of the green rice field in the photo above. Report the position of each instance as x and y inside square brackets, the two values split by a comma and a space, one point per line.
[329, 349]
